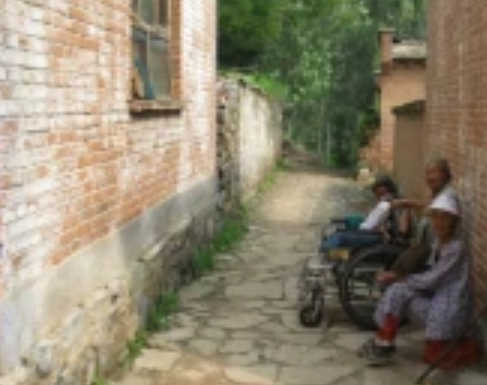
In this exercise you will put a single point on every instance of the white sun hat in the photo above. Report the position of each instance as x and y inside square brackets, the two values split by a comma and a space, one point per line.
[448, 203]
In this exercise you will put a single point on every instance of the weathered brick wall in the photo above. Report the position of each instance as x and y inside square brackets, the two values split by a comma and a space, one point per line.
[87, 188]
[401, 80]
[457, 110]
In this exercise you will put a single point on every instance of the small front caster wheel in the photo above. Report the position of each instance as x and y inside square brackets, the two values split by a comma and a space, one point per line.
[311, 316]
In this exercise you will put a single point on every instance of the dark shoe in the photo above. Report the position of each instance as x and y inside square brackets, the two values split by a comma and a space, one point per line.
[377, 355]
[366, 346]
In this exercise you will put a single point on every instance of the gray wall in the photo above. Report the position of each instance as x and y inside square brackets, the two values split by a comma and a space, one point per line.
[250, 136]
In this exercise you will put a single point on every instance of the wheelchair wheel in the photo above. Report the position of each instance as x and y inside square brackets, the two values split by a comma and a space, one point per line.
[359, 290]
[311, 314]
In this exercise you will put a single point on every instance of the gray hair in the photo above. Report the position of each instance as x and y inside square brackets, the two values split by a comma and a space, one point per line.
[442, 165]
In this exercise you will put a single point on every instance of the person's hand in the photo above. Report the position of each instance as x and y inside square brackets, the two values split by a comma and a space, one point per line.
[397, 203]
[387, 277]
[408, 203]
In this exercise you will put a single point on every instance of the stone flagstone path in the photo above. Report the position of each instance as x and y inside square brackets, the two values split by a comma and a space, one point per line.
[238, 325]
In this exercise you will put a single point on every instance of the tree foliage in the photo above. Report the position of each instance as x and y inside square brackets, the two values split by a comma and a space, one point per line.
[325, 53]
[247, 27]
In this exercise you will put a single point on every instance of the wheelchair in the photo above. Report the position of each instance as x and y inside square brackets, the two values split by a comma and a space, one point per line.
[350, 274]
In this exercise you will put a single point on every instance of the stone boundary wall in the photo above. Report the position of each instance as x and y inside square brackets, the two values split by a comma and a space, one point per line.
[249, 138]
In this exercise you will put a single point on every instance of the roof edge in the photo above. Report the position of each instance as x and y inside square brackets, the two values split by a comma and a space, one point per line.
[414, 107]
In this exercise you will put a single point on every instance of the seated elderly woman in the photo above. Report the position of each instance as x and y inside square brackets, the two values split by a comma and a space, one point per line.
[438, 179]
[439, 298]
[370, 230]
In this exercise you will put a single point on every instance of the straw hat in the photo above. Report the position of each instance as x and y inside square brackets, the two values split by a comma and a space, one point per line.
[447, 203]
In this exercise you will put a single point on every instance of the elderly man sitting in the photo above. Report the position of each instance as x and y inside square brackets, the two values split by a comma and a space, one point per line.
[370, 230]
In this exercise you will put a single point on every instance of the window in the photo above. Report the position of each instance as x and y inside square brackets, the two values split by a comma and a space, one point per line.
[151, 50]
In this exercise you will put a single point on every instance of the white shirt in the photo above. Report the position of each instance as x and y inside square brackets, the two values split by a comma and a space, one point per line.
[377, 216]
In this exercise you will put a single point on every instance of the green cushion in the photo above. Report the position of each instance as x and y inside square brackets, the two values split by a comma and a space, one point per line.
[353, 221]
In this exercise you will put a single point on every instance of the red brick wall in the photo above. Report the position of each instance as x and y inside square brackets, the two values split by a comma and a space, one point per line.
[457, 109]
[75, 164]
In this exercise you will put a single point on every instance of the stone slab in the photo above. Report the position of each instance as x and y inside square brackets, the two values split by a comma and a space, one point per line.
[239, 321]
[257, 290]
[192, 370]
[213, 333]
[237, 346]
[351, 341]
[246, 376]
[133, 379]
[292, 355]
[197, 291]
[385, 376]
[153, 360]
[176, 335]
[246, 359]
[204, 347]
[316, 376]
[471, 378]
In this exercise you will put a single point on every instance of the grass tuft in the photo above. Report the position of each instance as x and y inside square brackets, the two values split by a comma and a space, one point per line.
[135, 348]
[158, 318]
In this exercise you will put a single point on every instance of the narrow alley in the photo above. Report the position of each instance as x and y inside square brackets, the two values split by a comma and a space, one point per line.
[132, 134]
[239, 325]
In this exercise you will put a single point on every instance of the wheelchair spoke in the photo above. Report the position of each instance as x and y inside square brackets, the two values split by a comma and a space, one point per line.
[360, 291]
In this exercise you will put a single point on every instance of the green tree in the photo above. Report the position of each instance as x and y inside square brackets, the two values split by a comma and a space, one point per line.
[405, 16]
[246, 28]
[324, 52]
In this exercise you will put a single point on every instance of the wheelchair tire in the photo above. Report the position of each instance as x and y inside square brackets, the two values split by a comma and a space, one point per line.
[311, 314]
[359, 291]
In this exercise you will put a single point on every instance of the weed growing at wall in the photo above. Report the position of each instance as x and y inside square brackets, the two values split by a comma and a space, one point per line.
[282, 165]
[134, 348]
[268, 182]
[158, 318]
[265, 185]
[100, 381]
[233, 231]
[265, 83]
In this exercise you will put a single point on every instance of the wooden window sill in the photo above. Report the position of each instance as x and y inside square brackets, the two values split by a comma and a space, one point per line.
[142, 106]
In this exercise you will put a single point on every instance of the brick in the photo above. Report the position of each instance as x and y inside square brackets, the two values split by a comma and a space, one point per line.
[74, 163]
[401, 81]
[65, 93]
[457, 111]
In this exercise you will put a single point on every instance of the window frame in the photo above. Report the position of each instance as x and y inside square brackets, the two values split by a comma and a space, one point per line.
[163, 31]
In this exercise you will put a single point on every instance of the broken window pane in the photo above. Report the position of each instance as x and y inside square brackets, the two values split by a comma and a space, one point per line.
[159, 62]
